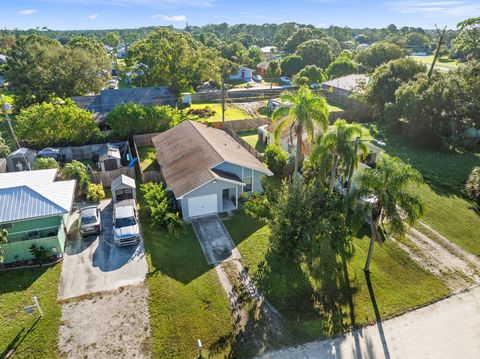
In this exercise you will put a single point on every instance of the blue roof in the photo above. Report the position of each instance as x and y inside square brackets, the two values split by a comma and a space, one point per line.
[20, 203]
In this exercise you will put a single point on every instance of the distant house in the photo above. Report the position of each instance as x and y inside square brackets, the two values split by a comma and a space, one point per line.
[206, 169]
[262, 68]
[34, 209]
[275, 103]
[363, 47]
[244, 73]
[268, 52]
[21, 160]
[122, 52]
[107, 100]
[347, 85]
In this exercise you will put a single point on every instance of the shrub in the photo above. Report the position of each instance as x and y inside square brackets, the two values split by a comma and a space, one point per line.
[205, 112]
[473, 185]
[4, 149]
[45, 163]
[159, 206]
[256, 205]
[78, 171]
[41, 254]
[94, 192]
[276, 160]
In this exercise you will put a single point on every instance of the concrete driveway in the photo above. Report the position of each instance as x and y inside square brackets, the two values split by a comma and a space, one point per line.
[94, 264]
[214, 239]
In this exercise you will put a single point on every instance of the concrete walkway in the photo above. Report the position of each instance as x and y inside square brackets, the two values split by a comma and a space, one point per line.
[444, 330]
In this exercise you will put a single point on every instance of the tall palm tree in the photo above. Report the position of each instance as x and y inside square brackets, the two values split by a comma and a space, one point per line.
[384, 192]
[307, 111]
[337, 148]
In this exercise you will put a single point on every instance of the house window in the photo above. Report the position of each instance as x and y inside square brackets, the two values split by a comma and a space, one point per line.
[6, 225]
[248, 184]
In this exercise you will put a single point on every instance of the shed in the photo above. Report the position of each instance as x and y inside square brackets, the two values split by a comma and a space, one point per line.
[21, 160]
[243, 73]
[123, 187]
[109, 157]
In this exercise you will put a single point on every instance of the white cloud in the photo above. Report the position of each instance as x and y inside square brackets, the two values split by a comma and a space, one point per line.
[92, 16]
[437, 7]
[170, 18]
[27, 12]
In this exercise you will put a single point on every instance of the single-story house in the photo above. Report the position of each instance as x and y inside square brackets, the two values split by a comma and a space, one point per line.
[347, 85]
[107, 100]
[206, 169]
[34, 209]
[21, 160]
[244, 74]
[123, 188]
[262, 68]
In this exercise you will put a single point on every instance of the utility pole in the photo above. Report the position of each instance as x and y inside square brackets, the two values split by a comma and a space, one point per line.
[223, 102]
[5, 109]
[440, 42]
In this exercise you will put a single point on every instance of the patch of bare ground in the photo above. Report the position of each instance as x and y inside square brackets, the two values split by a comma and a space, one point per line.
[108, 325]
[435, 253]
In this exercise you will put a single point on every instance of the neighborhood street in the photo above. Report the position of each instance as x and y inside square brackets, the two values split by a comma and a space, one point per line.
[444, 330]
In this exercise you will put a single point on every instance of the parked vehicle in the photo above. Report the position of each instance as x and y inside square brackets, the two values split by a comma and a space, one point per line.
[90, 221]
[126, 230]
[286, 79]
[257, 78]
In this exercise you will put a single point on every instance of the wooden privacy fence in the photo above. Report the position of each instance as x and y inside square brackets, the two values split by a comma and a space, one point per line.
[145, 139]
[245, 95]
[242, 125]
[141, 141]
[107, 177]
[243, 143]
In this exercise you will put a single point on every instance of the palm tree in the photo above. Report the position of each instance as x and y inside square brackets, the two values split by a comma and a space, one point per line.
[337, 147]
[305, 112]
[384, 193]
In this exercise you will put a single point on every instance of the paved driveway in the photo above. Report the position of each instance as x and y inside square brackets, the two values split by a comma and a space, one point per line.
[95, 264]
[214, 239]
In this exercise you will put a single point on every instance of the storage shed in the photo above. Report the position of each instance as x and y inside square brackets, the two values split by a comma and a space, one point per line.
[21, 160]
[109, 157]
[123, 187]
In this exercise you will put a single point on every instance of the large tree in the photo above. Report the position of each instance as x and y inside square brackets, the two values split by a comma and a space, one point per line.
[291, 64]
[50, 125]
[467, 43]
[299, 37]
[342, 66]
[307, 113]
[40, 69]
[316, 52]
[387, 79]
[310, 75]
[175, 59]
[388, 188]
[378, 54]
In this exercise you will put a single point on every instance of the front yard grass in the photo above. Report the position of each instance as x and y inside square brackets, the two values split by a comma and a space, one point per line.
[186, 300]
[448, 210]
[30, 335]
[148, 158]
[232, 112]
[316, 299]
[251, 137]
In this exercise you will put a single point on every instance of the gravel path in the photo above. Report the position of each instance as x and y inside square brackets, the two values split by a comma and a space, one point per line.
[444, 330]
[107, 325]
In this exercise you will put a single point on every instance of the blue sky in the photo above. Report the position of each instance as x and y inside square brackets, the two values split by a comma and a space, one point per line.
[101, 14]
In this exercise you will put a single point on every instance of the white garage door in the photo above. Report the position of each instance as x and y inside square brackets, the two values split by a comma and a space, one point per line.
[201, 205]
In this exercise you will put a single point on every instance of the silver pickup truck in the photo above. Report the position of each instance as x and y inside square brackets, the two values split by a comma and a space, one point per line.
[126, 230]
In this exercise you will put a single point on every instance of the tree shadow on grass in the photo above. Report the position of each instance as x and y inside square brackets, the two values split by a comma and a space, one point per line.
[18, 280]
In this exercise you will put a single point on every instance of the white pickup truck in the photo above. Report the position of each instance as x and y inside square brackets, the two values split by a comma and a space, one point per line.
[126, 230]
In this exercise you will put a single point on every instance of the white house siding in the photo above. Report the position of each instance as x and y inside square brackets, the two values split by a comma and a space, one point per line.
[209, 188]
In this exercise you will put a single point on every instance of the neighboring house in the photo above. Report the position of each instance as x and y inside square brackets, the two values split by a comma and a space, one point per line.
[206, 169]
[123, 188]
[21, 160]
[244, 73]
[363, 47]
[122, 52]
[34, 209]
[107, 100]
[347, 85]
[275, 103]
[268, 52]
[262, 68]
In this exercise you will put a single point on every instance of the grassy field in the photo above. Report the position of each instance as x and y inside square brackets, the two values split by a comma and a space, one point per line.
[447, 208]
[252, 139]
[186, 300]
[317, 299]
[148, 158]
[30, 336]
[232, 112]
[444, 61]
[334, 107]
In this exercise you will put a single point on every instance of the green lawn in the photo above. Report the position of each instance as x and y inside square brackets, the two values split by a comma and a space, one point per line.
[29, 336]
[444, 61]
[335, 107]
[316, 299]
[447, 209]
[252, 139]
[186, 300]
[148, 158]
[232, 112]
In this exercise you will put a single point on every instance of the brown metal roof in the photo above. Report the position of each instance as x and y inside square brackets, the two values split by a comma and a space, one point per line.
[189, 151]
